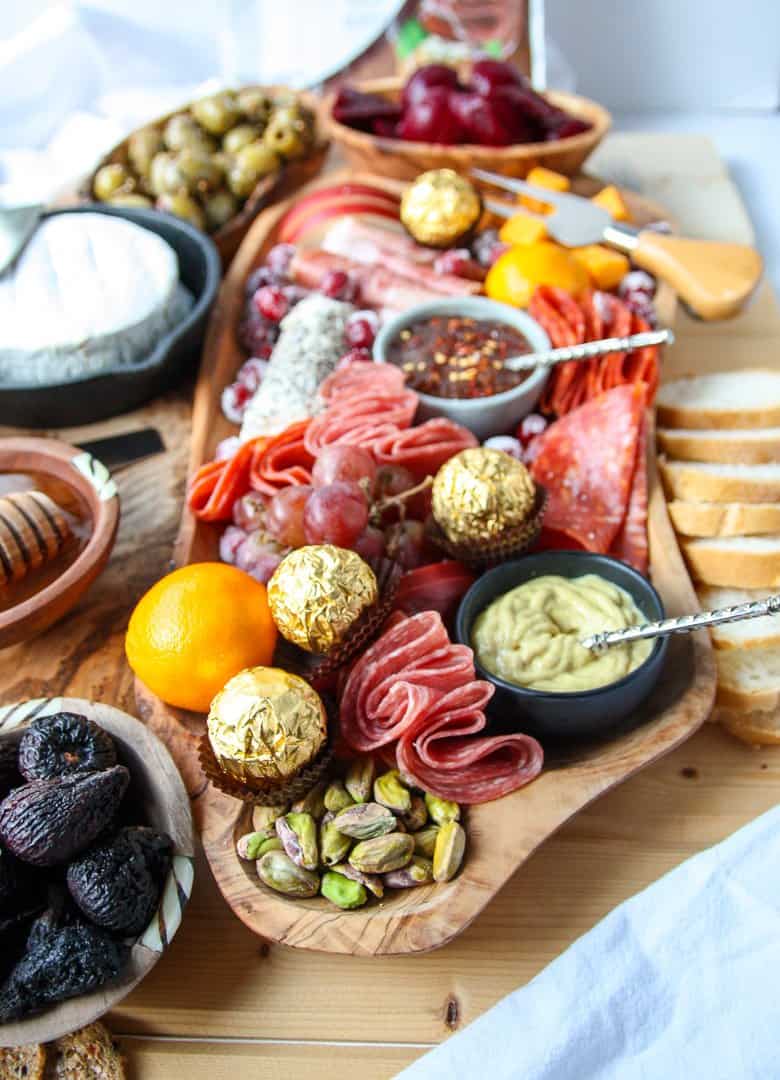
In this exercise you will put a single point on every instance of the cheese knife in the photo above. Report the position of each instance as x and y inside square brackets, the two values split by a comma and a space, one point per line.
[713, 279]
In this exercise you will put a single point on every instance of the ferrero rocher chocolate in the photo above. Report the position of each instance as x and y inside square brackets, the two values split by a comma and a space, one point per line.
[440, 207]
[266, 725]
[317, 593]
[478, 494]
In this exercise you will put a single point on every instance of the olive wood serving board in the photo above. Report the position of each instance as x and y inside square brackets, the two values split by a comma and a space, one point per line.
[161, 800]
[500, 835]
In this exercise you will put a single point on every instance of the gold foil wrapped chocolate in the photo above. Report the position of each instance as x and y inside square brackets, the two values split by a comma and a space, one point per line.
[318, 592]
[479, 494]
[440, 207]
[265, 726]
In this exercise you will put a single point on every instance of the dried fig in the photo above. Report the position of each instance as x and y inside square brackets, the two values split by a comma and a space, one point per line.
[62, 745]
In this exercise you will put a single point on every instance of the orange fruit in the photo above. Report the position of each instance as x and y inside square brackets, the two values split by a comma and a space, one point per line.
[514, 276]
[197, 628]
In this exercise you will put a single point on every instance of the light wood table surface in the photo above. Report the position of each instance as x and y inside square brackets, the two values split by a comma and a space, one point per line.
[224, 1004]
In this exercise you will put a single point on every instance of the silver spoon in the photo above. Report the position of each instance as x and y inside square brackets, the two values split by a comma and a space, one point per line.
[17, 224]
[588, 350]
[684, 624]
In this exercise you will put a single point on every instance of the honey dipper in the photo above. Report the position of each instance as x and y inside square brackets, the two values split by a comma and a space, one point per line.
[33, 529]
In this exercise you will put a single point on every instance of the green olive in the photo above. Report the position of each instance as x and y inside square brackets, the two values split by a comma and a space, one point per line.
[111, 180]
[288, 133]
[165, 176]
[141, 148]
[220, 208]
[218, 113]
[252, 163]
[182, 132]
[130, 199]
[238, 137]
[255, 104]
[198, 169]
[184, 206]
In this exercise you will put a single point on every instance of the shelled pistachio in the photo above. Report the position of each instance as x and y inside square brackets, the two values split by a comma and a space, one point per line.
[390, 792]
[359, 780]
[448, 852]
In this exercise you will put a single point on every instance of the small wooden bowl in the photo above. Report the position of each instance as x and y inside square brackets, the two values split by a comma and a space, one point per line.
[157, 789]
[405, 160]
[92, 483]
[279, 185]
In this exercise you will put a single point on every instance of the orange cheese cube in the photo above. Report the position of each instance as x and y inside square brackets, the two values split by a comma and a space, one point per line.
[522, 228]
[545, 178]
[606, 268]
[610, 199]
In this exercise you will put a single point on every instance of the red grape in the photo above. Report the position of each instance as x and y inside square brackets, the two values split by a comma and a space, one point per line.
[338, 285]
[406, 543]
[285, 515]
[259, 557]
[335, 514]
[272, 303]
[229, 543]
[349, 463]
[392, 480]
[249, 512]
[360, 330]
[371, 543]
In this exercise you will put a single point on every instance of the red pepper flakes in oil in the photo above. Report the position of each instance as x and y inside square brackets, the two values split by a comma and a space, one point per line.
[454, 356]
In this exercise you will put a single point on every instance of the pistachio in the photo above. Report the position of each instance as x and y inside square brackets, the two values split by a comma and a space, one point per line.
[337, 797]
[264, 817]
[360, 779]
[441, 810]
[273, 843]
[418, 872]
[278, 871]
[416, 817]
[311, 803]
[425, 841]
[334, 845]
[364, 821]
[448, 852]
[382, 853]
[342, 891]
[372, 882]
[390, 792]
[298, 833]
[249, 844]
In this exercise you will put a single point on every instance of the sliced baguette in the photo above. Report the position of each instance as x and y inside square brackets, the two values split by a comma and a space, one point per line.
[724, 519]
[750, 562]
[757, 446]
[727, 399]
[22, 1062]
[87, 1054]
[699, 482]
[749, 679]
[757, 728]
[749, 634]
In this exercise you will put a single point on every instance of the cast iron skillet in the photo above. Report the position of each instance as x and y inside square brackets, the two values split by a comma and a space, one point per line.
[96, 397]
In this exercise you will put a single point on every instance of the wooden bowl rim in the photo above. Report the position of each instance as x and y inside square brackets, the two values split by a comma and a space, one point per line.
[600, 117]
[148, 947]
[55, 458]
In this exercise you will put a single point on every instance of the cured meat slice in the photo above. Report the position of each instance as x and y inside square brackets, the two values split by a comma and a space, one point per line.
[361, 376]
[423, 449]
[586, 462]
[368, 243]
[438, 752]
[434, 587]
[630, 544]
[284, 460]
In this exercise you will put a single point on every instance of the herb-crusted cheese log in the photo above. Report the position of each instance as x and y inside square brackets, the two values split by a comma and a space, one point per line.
[310, 345]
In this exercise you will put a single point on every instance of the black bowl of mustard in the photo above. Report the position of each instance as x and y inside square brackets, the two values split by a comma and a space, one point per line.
[566, 714]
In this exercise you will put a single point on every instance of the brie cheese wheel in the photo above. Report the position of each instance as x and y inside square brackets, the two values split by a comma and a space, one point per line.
[90, 293]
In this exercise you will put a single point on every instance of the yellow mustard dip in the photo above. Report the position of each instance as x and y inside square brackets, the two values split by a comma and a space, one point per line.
[531, 635]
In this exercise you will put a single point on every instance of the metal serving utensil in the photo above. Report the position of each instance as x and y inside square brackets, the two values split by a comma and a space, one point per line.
[684, 624]
[588, 350]
[17, 224]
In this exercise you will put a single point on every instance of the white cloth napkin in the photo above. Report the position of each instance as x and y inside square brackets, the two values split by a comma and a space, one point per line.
[679, 981]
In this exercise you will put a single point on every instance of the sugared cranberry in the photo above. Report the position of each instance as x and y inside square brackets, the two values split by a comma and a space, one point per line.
[278, 259]
[639, 303]
[295, 293]
[263, 275]
[531, 450]
[255, 333]
[252, 373]
[530, 427]
[354, 356]
[360, 330]
[507, 443]
[637, 281]
[235, 399]
[338, 285]
[272, 303]
[227, 448]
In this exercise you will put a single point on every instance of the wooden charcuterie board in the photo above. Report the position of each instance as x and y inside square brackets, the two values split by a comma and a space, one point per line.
[501, 834]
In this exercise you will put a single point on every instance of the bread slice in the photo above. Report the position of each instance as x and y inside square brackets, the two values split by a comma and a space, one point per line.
[757, 728]
[22, 1062]
[749, 634]
[749, 679]
[699, 482]
[756, 446]
[750, 562]
[87, 1054]
[726, 399]
[724, 519]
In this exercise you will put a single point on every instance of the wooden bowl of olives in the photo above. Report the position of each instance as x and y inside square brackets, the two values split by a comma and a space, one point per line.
[218, 161]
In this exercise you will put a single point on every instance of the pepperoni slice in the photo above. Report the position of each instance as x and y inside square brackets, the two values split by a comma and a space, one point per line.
[586, 462]
[630, 544]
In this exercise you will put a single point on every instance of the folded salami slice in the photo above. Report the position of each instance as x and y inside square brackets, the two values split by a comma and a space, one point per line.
[284, 460]
[423, 449]
[586, 462]
[630, 544]
[438, 752]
